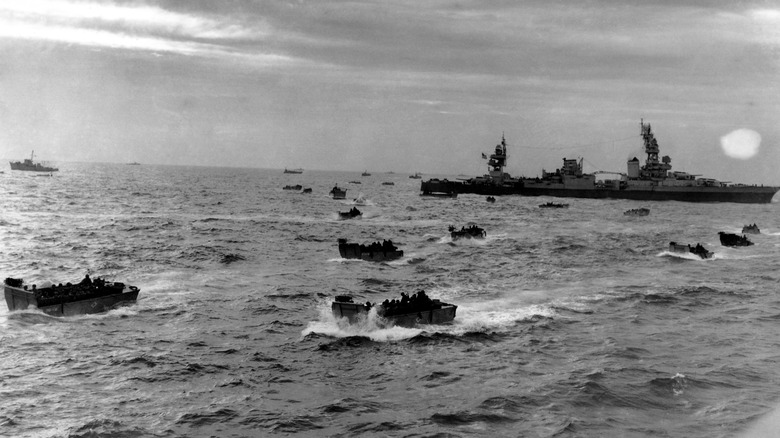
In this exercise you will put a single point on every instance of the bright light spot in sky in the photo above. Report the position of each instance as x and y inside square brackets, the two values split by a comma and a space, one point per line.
[742, 143]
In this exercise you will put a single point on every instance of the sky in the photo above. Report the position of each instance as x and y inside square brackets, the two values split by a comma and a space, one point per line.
[393, 85]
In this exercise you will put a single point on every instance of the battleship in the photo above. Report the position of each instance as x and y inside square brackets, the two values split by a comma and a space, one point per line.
[653, 181]
[29, 165]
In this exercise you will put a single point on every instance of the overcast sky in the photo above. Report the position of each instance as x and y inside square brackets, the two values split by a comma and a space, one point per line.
[401, 86]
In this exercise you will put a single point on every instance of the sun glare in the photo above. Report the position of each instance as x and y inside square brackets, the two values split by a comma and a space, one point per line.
[741, 143]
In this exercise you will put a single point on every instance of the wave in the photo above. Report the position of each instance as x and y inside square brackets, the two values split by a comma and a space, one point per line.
[352, 405]
[199, 419]
[466, 418]
[102, 428]
[474, 322]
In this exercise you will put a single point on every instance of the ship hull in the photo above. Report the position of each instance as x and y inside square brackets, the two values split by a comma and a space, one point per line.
[737, 194]
[745, 195]
[32, 168]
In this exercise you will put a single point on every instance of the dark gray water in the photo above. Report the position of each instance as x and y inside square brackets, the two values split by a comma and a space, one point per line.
[571, 322]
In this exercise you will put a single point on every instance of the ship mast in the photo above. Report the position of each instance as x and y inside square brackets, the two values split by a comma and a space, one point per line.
[653, 168]
[498, 161]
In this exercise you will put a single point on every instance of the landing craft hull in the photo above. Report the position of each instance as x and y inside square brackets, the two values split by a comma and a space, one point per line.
[20, 299]
[440, 315]
[354, 251]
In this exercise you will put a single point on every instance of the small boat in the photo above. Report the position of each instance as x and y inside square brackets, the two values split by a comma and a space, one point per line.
[365, 173]
[471, 232]
[409, 311]
[88, 296]
[553, 205]
[295, 187]
[29, 165]
[491, 199]
[388, 183]
[352, 213]
[415, 176]
[751, 229]
[299, 170]
[375, 252]
[729, 239]
[134, 163]
[338, 193]
[306, 190]
[699, 250]
[637, 212]
[355, 182]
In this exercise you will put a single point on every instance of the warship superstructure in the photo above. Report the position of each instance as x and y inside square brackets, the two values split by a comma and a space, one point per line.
[653, 181]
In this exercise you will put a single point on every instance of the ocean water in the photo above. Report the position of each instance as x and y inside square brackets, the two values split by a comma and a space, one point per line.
[571, 322]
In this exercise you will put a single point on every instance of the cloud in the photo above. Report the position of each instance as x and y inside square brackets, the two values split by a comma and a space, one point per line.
[741, 144]
[138, 18]
[137, 27]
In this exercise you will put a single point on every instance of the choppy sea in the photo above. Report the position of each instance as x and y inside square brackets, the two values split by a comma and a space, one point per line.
[571, 322]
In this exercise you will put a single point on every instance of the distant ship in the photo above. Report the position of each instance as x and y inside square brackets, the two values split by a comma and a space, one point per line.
[416, 176]
[652, 182]
[299, 170]
[31, 166]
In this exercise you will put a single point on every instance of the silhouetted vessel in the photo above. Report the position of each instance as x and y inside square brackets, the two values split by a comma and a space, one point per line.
[730, 239]
[698, 250]
[654, 181]
[408, 312]
[553, 205]
[29, 165]
[637, 212]
[374, 252]
[352, 213]
[299, 170]
[338, 193]
[70, 299]
[470, 232]
[751, 229]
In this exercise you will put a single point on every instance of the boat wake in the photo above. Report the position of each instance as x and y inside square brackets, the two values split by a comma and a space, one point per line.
[487, 240]
[360, 200]
[37, 316]
[372, 327]
[688, 256]
[481, 317]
